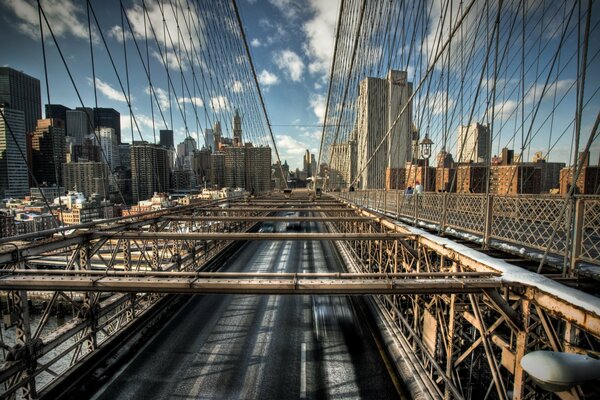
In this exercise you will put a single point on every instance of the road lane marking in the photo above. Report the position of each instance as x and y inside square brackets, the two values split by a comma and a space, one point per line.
[303, 371]
[203, 376]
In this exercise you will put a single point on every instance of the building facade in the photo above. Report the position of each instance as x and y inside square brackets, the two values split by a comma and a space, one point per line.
[473, 143]
[14, 179]
[87, 177]
[383, 107]
[20, 91]
[48, 146]
[150, 170]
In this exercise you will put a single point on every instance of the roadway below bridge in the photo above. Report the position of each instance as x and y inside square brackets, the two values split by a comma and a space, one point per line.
[267, 347]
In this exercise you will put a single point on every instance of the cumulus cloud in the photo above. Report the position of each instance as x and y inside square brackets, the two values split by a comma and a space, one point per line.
[292, 149]
[196, 101]
[161, 95]
[117, 33]
[320, 31]
[267, 78]
[108, 91]
[255, 42]
[237, 87]
[289, 8]
[290, 63]
[219, 103]
[318, 105]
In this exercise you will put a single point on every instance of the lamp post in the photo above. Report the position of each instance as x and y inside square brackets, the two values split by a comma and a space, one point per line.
[426, 153]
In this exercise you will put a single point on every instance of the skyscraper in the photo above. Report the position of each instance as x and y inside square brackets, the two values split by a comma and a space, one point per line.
[109, 145]
[235, 163]
[79, 124]
[237, 130]
[49, 151]
[109, 118]
[13, 147]
[185, 153]
[473, 143]
[209, 139]
[56, 111]
[166, 138]
[258, 168]
[20, 91]
[150, 170]
[379, 104]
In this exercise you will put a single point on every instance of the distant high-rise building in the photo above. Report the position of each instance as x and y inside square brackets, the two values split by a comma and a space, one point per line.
[79, 124]
[57, 111]
[125, 156]
[202, 165]
[150, 170]
[209, 139]
[14, 180]
[217, 169]
[87, 177]
[235, 171]
[19, 91]
[48, 146]
[185, 153]
[307, 163]
[237, 130]
[109, 145]
[88, 151]
[473, 143]
[379, 104]
[108, 118]
[166, 138]
[258, 169]
[218, 134]
[342, 170]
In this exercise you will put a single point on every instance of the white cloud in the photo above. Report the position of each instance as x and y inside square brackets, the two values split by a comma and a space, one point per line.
[65, 17]
[290, 63]
[318, 105]
[237, 87]
[144, 123]
[255, 42]
[219, 103]
[196, 101]
[117, 33]
[108, 91]
[289, 8]
[320, 31]
[267, 78]
[180, 33]
[292, 150]
[171, 59]
[161, 95]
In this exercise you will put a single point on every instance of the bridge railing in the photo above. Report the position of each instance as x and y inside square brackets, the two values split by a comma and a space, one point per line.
[568, 228]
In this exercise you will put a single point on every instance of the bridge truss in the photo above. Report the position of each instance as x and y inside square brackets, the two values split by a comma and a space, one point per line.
[456, 321]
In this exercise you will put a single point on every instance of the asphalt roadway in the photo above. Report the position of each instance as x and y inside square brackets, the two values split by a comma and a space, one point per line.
[261, 347]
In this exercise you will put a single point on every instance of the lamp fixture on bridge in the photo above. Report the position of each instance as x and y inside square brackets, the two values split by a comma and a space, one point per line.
[426, 147]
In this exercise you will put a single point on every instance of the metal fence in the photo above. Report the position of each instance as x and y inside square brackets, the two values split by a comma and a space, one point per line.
[568, 229]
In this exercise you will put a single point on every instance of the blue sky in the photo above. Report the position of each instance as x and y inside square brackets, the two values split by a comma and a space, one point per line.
[291, 43]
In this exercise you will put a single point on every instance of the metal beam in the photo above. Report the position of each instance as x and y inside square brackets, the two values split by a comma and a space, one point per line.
[314, 208]
[269, 218]
[338, 286]
[250, 236]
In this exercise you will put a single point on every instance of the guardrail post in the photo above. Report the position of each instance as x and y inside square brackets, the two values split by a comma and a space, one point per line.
[417, 196]
[577, 234]
[487, 233]
[442, 225]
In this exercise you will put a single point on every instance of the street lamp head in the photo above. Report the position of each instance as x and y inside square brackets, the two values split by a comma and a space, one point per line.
[426, 147]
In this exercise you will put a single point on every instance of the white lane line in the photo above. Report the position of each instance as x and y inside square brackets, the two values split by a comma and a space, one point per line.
[203, 376]
[303, 371]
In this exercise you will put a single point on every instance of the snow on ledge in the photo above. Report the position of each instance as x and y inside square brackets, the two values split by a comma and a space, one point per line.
[512, 273]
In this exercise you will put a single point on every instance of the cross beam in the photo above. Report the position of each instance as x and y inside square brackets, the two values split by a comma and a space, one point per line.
[268, 218]
[250, 236]
[313, 208]
[293, 285]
